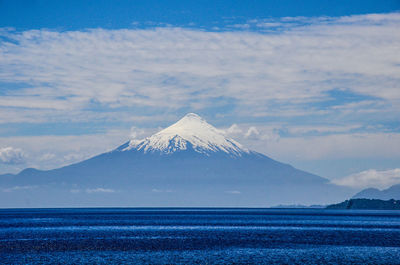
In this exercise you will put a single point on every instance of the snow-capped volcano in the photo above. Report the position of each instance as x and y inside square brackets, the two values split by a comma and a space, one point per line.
[190, 163]
[190, 132]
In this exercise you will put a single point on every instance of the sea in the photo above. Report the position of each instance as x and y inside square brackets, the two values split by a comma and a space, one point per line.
[198, 236]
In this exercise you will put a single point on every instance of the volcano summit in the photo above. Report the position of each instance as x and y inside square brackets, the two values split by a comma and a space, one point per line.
[190, 163]
[189, 133]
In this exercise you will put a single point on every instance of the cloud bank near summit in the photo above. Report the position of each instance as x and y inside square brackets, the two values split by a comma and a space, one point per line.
[381, 179]
[10, 155]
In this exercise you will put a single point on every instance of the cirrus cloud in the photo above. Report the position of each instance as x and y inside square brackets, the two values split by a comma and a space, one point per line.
[97, 190]
[281, 73]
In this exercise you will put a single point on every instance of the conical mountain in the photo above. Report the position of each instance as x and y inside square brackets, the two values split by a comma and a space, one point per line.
[190, 163]
[190, 132]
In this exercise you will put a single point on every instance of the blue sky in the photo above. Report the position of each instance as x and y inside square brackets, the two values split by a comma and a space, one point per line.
[77, 15]
[311, 83]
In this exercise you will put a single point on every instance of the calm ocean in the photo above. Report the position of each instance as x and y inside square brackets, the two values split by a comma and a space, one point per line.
[198, 236]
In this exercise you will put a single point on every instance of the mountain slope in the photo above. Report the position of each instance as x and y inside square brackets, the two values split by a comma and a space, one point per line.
[190, 163]
[392, 192]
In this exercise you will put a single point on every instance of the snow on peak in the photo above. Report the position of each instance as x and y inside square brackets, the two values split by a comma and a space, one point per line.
[190, 131]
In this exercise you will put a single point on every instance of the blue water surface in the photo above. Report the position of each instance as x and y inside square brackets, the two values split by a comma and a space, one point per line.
[198, 236]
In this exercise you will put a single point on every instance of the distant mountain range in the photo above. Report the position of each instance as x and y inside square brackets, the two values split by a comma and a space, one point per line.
[391, 193]
[190, 163]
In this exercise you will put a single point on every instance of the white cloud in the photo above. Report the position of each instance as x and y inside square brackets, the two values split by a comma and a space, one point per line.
[174, 68]
[10, 155]
[158, 190]
[47, 157]
[234, 129]
[17, 188]
[335, 146]
[269, 24]
[73, 157]
[99, 190]
[371, 178]
[66, 149]
[233, 192]
[296, 130]
[252, 132]
[306, 143]
[137, 133]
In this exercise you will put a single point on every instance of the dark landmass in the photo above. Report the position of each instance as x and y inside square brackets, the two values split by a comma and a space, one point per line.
[392, 192]
[367, 204]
